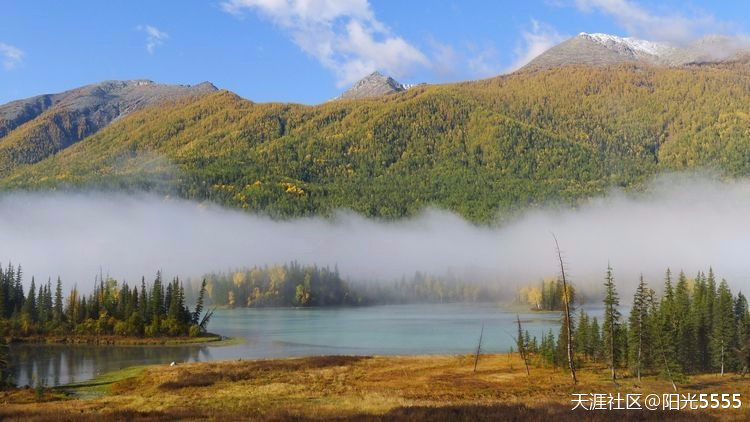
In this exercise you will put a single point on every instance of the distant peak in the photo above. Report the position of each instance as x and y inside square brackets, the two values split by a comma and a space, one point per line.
[205, 86]
[598, 49]
[375, 84]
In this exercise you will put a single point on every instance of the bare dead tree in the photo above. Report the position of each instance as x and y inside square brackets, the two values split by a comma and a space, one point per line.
[479, 348]
[568, 322]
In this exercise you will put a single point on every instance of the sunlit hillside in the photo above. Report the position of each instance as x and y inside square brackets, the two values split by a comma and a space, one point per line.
[479, 148]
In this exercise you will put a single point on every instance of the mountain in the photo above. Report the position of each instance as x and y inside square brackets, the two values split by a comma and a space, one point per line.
[481, 149]
[34, 128]
[606, 50]
[373, 85]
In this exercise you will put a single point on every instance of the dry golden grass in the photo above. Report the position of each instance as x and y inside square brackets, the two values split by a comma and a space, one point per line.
[361, 388]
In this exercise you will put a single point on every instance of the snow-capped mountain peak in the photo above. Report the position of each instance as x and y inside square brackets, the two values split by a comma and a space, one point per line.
[635, 45]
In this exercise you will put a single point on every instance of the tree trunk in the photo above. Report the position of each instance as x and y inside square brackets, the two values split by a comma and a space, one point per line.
[479, 348]
[640, 343]
[568, 329]
[612, 349]
[669, 373]
[638, 370]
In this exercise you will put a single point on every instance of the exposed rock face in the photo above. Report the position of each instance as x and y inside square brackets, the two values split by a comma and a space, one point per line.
[604, 49]
[374, 85]
[34, 128]
[102, 102]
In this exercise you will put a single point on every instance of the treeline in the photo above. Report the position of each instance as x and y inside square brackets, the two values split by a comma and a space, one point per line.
[696, 326]
[111, 309]
[280, 285]
[428, 288]
[306, 286]
[548, 296]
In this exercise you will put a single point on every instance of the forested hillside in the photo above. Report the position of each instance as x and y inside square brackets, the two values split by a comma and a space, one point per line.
[478, 148]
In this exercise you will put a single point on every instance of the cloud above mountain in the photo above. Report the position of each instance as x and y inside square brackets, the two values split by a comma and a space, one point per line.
[534, 41]
[640, 22]
[11, 56]
[154, 37]
[344, 36]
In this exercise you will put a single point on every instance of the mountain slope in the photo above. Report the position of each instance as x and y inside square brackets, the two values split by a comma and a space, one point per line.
[387, 159]
[477, 148]
[33, 128]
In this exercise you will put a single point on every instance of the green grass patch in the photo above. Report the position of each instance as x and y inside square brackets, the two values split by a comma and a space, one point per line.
[100, 385]
[227, 341]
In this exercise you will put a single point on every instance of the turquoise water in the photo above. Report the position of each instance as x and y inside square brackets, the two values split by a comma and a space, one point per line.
[284, 332]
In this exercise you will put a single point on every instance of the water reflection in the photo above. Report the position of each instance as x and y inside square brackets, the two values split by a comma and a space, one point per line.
[63, 364]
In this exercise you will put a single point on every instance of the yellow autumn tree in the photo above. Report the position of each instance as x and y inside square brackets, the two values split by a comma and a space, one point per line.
[534, 297]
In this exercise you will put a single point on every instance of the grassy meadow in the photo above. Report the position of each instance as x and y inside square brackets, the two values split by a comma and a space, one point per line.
[355, 388]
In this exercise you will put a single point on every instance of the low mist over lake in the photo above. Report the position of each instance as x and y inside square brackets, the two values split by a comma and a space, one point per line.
[685, 222]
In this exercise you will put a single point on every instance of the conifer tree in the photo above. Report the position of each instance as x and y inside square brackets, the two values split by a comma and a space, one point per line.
[595, 340]
[57, 316]
[199, 304]
[5, 375]
[30, 309]
[638, 333]
[685, 331]
[666, 333]
[701, 316]
[143, 305]
[611, 324]
[157, 299]
[723, 340]
[522, 344]
[742, 322]
[582, 335]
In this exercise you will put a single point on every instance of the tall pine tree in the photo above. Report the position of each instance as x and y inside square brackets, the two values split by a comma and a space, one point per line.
[611, 324]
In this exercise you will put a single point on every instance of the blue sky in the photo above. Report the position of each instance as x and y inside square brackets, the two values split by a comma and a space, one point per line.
[309, 50]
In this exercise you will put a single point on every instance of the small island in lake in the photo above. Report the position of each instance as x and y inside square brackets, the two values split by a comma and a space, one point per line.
[153, 313]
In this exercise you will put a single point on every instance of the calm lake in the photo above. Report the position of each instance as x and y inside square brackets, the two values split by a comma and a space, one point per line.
[375, 330]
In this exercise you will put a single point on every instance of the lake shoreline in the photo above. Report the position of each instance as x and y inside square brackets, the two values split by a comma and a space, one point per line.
[286, 332]
[112, 340]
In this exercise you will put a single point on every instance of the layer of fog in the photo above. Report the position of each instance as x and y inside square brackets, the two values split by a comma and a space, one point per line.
[684, 222]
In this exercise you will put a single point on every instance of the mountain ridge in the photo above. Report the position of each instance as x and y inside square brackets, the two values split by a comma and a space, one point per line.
[33, 128]
[478, 148]
[598, 49]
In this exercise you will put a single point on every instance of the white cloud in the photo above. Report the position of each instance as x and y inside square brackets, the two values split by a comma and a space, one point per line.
[639, 22]
[470, 60]
[154, 37]
[444, 59]
[483, 62]
[12, 56]
[343, 35]
[536, 41]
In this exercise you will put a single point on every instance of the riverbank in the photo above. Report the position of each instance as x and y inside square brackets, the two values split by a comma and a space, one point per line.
[355, 388]
[117, 340]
